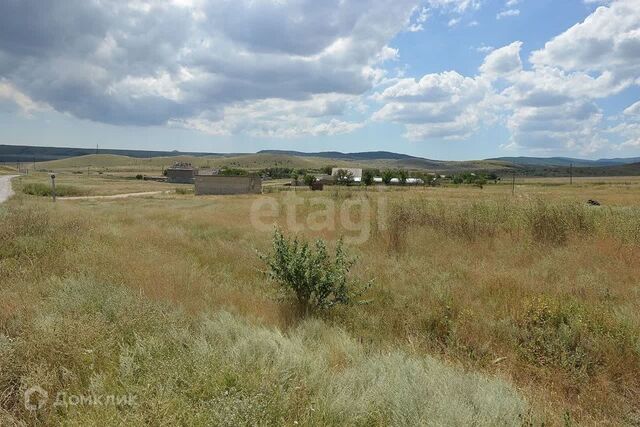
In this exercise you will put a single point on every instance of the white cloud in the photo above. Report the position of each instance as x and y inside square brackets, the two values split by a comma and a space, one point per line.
[280, 118]
[11, 99]
[633, 110]
[485, 49]
[608, 41]
[443, 105]
[150, 62]
[458, 6]
[508, 13]
[503, 62]
[421, 16]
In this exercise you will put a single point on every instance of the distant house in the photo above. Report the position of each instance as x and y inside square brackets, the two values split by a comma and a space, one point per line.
[181, 173]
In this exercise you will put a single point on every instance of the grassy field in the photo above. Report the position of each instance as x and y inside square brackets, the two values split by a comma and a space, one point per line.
[487, 308]
[7, 170]
[113, 163]
[81, 183]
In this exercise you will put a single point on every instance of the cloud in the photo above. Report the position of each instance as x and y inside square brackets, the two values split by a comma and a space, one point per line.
[319, 115]
[150, 62]
[12, 100]
[458, 6]
[608, 41]
[633, 110]
[421, 16]
[553, 106]
[503, 62]
[508, 13]
[442, 105]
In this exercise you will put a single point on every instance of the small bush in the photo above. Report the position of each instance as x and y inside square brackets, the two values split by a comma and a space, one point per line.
[139, 176]
[318, 280]
[309, 180]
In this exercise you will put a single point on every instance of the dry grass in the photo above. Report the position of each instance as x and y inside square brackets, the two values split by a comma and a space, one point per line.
[538, 288]
[92, 184]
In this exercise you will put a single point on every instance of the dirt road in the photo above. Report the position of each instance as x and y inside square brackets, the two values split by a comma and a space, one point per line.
[5, 187]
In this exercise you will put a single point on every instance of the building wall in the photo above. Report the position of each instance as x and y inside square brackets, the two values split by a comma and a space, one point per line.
[180, 176]
[219, 184]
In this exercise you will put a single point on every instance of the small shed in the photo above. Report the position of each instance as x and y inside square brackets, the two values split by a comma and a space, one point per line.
[225, 184]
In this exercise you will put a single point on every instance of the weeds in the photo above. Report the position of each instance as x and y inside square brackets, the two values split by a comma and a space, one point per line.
[43, 190]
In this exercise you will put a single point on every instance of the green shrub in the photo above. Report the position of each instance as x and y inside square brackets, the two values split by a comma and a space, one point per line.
[318, 280]
[139, 176]
[309, 179]
[367, 177]
[344, 177]
[387, 176]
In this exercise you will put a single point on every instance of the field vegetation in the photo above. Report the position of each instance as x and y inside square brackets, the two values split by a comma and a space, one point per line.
[486, 308]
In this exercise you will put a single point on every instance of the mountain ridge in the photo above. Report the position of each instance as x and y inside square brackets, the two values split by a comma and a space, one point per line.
[26, 153]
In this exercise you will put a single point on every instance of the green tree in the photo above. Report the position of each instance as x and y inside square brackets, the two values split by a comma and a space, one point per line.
[318, 280]
[402, 176]
[327, 169]
[344, 177]
[367, 177]
[309, 179]
[387, 176]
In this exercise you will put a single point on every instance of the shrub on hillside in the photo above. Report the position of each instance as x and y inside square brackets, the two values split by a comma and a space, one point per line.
[318, 280]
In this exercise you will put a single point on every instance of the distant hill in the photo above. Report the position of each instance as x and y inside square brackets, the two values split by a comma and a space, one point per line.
[25, 153]
[365, 155]
[565, 161]
[66, 158]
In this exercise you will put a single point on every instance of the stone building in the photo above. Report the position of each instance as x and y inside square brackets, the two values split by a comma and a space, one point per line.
[181, 173]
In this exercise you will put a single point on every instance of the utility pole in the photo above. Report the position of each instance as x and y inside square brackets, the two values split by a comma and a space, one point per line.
[53, 187]
[570, 173]
[97, 148]
[513, 183]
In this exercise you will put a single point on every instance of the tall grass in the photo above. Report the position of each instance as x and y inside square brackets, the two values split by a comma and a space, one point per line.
[84, 288]
[538, 220]
[44, 190]
[84, 337]
[87, 337]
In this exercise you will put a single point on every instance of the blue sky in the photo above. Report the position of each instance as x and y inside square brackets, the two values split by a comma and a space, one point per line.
[445, 79]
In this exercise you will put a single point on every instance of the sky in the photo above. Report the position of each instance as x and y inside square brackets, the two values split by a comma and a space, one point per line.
[442, 79]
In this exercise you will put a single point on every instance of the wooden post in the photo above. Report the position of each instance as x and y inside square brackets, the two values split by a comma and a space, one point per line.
[513, 184]
[570, 173]
[53, 187]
